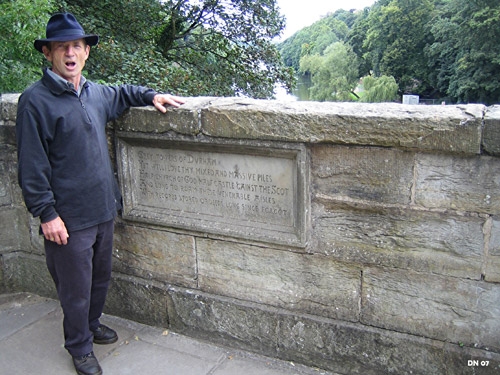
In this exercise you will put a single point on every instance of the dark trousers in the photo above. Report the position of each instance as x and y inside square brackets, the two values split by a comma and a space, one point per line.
[81, 271]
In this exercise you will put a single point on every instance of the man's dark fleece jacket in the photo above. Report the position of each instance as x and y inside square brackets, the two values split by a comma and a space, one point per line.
[64, 167]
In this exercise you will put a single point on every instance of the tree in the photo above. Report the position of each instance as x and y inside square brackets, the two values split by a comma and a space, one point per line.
[398, 32]
[315, 39]
[356, 38]
[334, 74]
[21, 23]
[465, 54]
[195, 47]
[227, 41]
[191, 47]
[378, 90]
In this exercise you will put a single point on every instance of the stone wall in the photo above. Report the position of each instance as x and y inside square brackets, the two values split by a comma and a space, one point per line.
[365, 238]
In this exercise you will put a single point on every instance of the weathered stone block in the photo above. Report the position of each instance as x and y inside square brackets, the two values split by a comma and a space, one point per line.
[8, 106]
[399, 237]
[447, 309]
[492, 269]
[37, 239]
[494, 245]
[10, 193]
[7, 134]
[458, 183]
[217, 319]
[381, 175]
[138, 300]
[491, 132]
[28, 273]
[8, 114]
[183, 120]
[355, 349]
[17, 237]
[3, 286]
[448, 128]
[346, 348]
[155, 254]
[492, 261]
[5, 194]
[307, 283]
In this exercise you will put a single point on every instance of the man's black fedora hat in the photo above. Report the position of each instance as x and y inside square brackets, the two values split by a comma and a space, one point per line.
[63, 27]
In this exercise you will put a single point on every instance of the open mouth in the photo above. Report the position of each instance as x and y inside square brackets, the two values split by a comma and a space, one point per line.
[70, 64]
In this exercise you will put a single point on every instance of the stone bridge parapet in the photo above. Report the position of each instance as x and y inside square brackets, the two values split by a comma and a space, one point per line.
[357, 238]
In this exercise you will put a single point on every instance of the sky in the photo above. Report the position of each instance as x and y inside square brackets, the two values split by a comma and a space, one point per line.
[300, 14]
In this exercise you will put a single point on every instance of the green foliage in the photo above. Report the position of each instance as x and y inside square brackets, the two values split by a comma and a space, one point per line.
[438, 48]
[195, 47]
[21, 23]
[465, 54]
[397, 34]
[433, 48]
[316, 38]
[228, 44]
[204, 47]
[334, 74]
[379, 89]
[356, 38]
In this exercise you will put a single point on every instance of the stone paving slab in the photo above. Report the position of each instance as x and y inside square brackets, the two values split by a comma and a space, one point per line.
[15, 315]
[31, 342]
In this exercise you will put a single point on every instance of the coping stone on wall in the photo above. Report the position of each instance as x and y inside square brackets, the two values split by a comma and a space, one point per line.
[450, 129]
[183, 120]
[491, 140]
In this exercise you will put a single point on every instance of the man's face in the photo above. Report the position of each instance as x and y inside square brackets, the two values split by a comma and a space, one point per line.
[68, 58]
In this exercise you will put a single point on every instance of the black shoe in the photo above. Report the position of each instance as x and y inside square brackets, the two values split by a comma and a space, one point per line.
[87, 365]
[104, 335]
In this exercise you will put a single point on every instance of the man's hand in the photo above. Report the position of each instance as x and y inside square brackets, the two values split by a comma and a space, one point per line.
[55, 231]
[160, 100]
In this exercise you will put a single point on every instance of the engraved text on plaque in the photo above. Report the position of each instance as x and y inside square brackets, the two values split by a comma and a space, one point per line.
[244, 191]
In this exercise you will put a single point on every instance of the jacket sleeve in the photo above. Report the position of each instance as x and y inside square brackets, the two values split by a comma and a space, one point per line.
[34, 171]
[123, 97]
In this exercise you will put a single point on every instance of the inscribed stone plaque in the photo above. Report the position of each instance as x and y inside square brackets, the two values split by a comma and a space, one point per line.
[240, 190]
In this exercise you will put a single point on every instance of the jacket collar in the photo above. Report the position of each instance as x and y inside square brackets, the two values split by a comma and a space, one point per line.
[58, 85]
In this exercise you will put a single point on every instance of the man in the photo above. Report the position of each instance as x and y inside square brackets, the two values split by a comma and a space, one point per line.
[67, 180]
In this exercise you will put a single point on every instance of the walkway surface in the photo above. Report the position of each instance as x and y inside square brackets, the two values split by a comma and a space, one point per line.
[31, 342]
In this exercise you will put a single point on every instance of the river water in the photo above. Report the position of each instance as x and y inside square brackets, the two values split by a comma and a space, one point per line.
[299, 93]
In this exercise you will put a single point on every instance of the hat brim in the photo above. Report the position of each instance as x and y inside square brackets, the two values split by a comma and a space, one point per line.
[90, 39]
